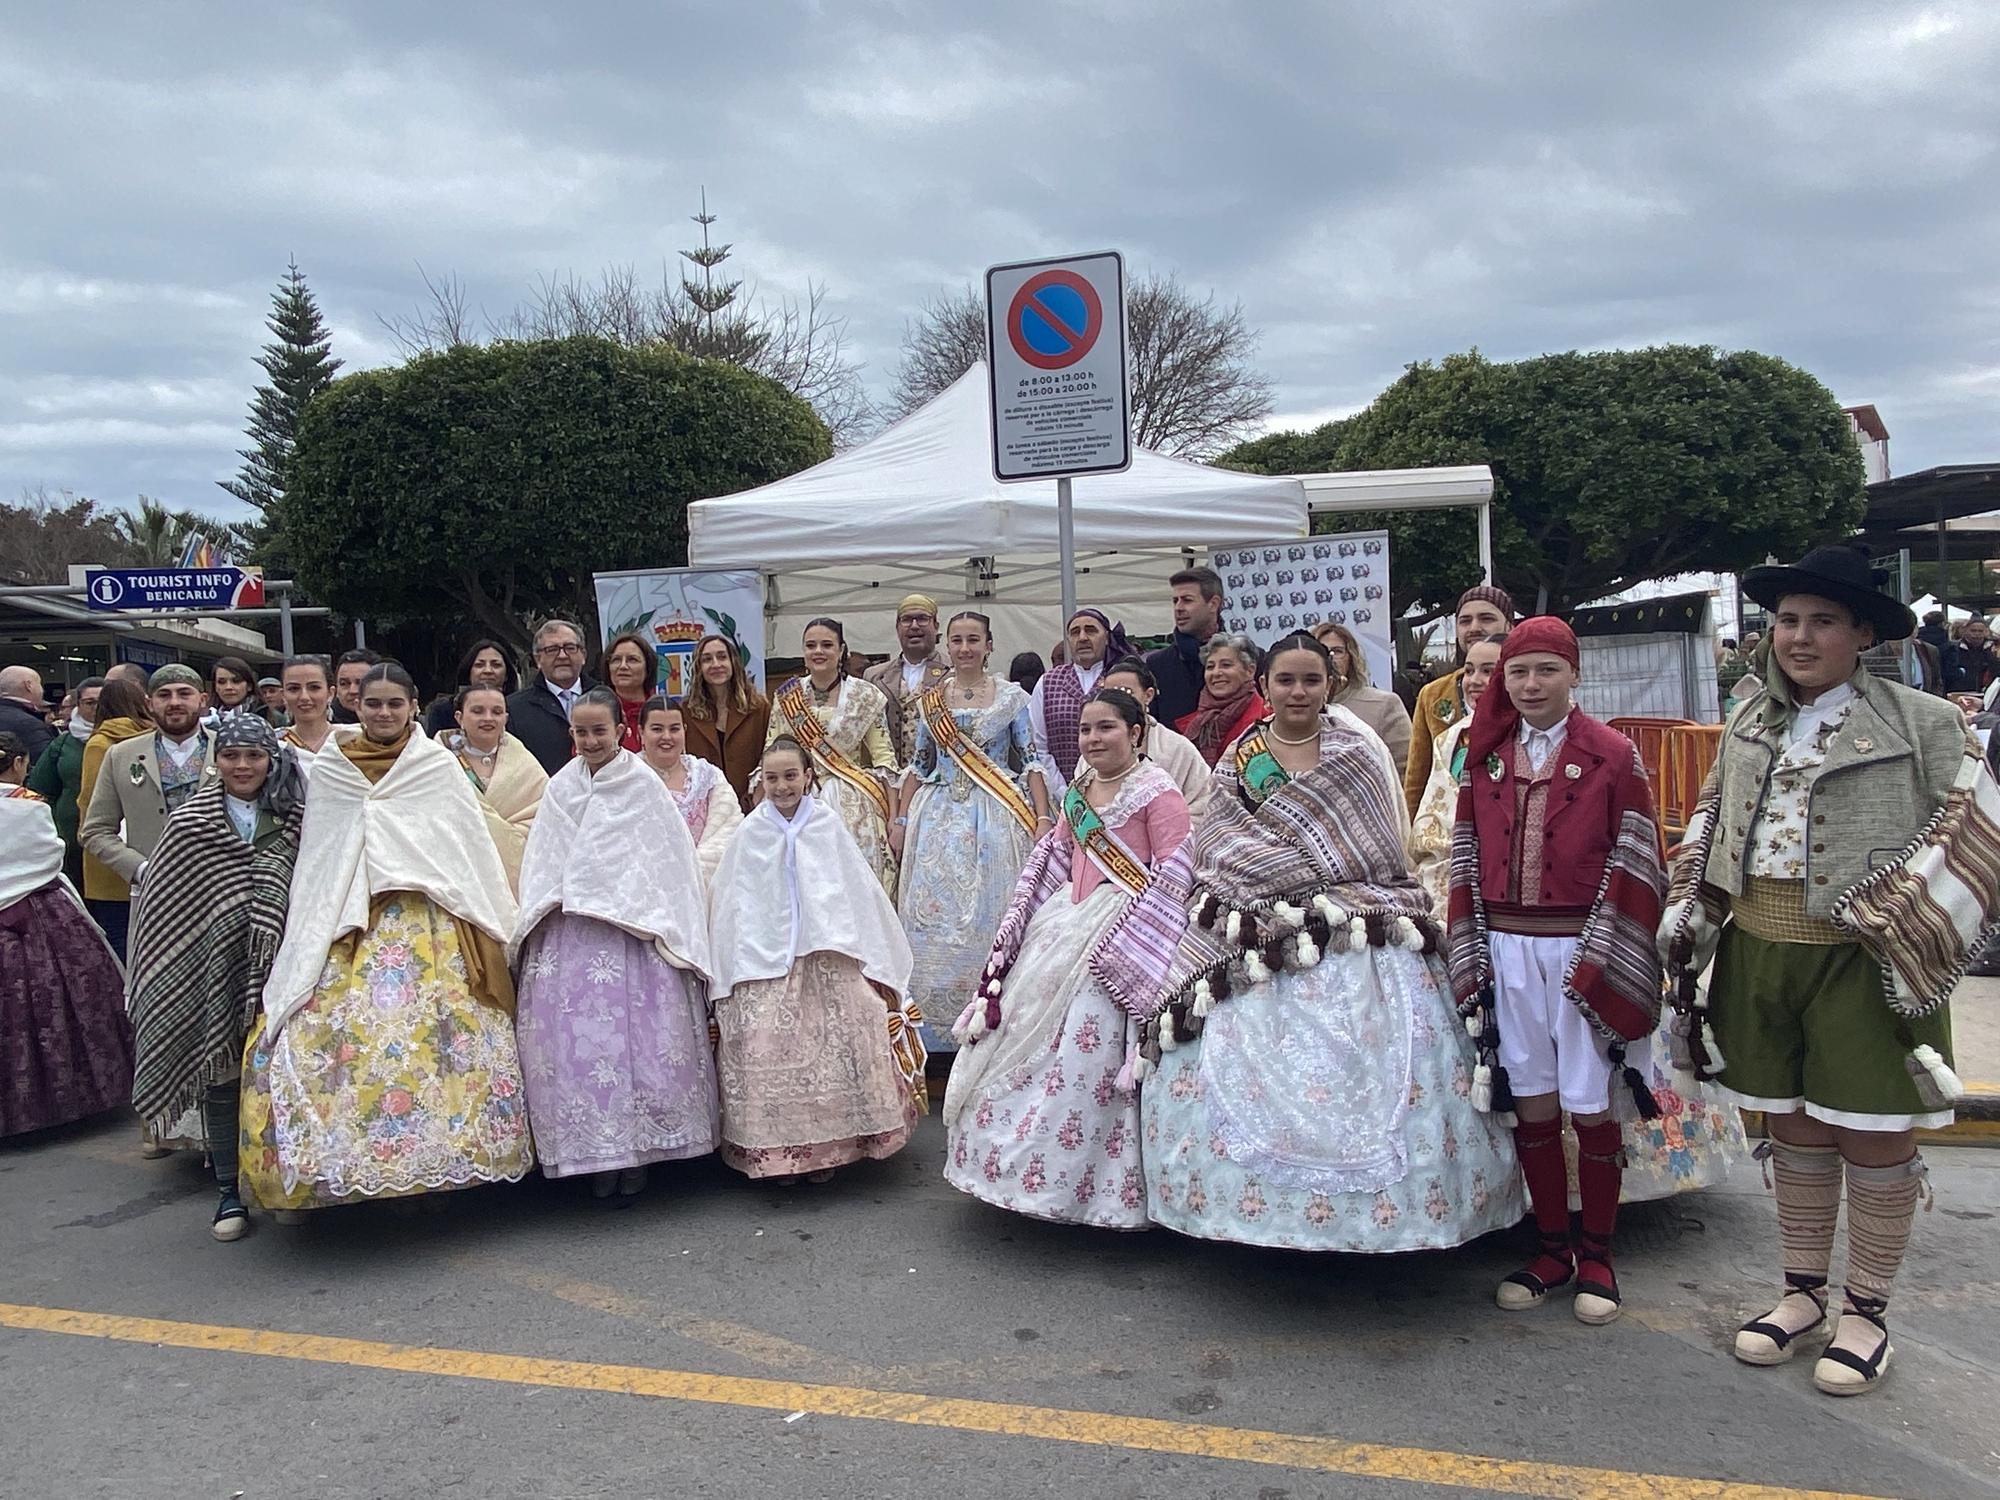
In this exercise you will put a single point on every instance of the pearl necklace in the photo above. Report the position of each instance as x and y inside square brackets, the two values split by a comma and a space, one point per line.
[1114, 780]
[1311, 739]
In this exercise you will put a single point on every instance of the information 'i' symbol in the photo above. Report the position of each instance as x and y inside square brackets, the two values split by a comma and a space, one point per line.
[1054, 319]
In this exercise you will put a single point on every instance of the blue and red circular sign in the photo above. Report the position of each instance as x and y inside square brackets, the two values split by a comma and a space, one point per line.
[1054, 319]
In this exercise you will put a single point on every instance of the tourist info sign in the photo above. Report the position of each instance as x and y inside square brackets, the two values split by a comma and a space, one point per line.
[1055, 340]
[173, 588]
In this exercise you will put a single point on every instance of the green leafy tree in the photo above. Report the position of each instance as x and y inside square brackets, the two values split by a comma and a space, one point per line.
[491, 481]
[1609, 468]
[300, 364]
[155, 534]
[49, 530]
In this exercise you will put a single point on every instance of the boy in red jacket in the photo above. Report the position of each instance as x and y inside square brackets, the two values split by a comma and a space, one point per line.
[1556, 889]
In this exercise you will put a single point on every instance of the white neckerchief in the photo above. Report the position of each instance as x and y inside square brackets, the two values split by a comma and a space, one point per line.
[1810, 718]
[243, 815]
[791, 829]
[179, 753]
[1543, 745]
[913, 675]
[80, 728]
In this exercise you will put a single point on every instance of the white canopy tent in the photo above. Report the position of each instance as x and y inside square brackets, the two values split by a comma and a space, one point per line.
[917, 509]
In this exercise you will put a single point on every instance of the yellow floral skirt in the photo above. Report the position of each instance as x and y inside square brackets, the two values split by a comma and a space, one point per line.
[391, 1080]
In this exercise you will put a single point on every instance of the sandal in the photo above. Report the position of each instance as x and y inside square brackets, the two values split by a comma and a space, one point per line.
[232, 1219]
[1765, 1341]
[1597, 1300]
[1530, 1286]
[1841, 1372]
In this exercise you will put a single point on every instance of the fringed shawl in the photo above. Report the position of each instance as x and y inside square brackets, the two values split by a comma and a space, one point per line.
[206, 924]
[1289, 869]
[1137, 951]
[1614, 976]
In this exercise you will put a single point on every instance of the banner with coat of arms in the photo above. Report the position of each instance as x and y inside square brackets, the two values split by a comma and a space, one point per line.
[1278, 587]
[675, 607]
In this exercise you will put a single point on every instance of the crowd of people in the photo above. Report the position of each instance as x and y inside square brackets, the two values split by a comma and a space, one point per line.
[1223, 937]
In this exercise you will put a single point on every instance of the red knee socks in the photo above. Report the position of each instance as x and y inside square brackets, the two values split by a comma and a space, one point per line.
[1538, 1143]
[1600, 1167]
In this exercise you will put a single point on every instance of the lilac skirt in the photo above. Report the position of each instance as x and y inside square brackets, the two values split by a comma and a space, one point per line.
[614, 1050]
[65, 1045]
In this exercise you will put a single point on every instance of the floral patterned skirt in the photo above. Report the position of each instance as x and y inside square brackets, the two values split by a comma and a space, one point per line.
[808, 1078]
[1035, 1121]
[1424, 1171]
[614, 1047]
[65, 1046]
[391, 1080]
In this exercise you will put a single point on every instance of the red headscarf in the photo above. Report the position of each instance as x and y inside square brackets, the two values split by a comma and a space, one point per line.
[1494, 721]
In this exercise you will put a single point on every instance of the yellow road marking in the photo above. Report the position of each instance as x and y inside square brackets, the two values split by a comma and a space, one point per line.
[1326, 1455]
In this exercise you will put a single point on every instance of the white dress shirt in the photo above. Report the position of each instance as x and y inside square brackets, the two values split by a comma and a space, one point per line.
[1543, 745]
[243, 815]
[565, 697]
[1809, 719]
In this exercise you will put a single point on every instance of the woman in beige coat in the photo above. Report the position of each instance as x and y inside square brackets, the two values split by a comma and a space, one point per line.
[1381, 710]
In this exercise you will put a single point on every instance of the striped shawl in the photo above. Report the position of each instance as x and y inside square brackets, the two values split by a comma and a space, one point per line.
[205, 926]
[1288, 869]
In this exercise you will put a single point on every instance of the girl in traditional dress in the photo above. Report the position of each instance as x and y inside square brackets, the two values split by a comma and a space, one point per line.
[612, 952]
[1042, 1111]
[1430, 829]
[1167, 748]
[704, 796]
[971, 806]
[819, 1055]
[65, 1050]
[308, 700]
[505, 773]
[631, 670]
[1229, 701]
[205, 927]
[839, 720]
[384, 1064]
[1309, 1084]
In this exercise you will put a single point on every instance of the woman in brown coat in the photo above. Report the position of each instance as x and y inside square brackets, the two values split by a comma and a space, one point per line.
[727, 717]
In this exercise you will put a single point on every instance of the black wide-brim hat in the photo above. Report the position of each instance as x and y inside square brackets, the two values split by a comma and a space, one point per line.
[1841, 574]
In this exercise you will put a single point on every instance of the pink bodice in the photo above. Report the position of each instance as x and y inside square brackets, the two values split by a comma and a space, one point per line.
[1149, 819]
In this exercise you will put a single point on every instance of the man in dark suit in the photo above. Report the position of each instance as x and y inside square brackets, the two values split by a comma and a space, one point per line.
[1176, 666]
[538, 715]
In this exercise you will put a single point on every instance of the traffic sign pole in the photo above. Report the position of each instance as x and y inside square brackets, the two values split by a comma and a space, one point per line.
[1066, 540]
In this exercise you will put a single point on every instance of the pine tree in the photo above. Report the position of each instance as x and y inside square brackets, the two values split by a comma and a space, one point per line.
[300, 364]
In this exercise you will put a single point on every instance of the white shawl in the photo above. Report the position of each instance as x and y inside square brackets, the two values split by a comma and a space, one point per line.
[786, 889]
[31, 851]
[420, 828]
[613, 847]
[708, 787]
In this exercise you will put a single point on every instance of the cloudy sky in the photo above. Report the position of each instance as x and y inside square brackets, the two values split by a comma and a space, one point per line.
[1376, 183]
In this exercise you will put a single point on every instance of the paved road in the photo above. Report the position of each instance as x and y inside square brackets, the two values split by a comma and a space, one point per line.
[1031, 1359]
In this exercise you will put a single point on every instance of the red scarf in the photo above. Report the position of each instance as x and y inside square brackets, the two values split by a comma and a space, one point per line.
[1217, 721]
[632, 713]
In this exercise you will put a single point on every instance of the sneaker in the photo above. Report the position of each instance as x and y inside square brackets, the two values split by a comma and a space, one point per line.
[232, 1219]
[1530, 1286]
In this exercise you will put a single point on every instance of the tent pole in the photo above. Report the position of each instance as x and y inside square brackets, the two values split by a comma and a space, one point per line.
[1486, 541]
[1066, 531]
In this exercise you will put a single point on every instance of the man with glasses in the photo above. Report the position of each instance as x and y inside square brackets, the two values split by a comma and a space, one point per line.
[906, 678]
[538, 715]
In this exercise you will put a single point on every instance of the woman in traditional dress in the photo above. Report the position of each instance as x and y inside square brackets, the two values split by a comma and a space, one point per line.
[1229, 700]
[1169, 749]
[631, 669]
[612, 952]
[205, 928]
[1042, 1110]
[384, 1064]
[1430, 829]
[308, 700]
[728, 720]
[706, 799]
[487, 664]
[505, 773]
[65, 1049]
[971, 806]
[1309, 1084]
[838, 719]
[819, 1055]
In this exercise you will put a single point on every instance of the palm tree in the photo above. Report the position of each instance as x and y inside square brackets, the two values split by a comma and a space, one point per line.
[157, 536]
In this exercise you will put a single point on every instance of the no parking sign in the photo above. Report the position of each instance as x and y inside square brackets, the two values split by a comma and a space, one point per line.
[1055, 334]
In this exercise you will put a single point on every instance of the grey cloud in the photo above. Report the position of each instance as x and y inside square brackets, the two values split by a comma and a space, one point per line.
[1375, 184]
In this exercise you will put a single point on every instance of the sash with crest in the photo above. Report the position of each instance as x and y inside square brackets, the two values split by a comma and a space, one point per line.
[1101, 845]
[1257, 770]
[806, 728]
[975, 762]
